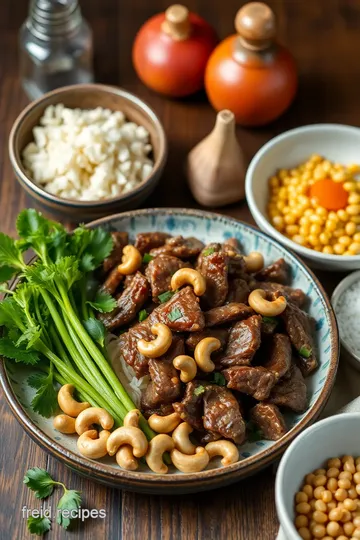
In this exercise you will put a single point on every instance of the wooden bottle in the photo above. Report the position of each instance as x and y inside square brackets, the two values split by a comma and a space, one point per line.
[216, 166]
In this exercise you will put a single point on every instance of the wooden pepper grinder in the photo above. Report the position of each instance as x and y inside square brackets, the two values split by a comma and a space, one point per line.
[216, 167]
[249, 72]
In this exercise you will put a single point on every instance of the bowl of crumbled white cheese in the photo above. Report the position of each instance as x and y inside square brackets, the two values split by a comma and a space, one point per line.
[86, 151]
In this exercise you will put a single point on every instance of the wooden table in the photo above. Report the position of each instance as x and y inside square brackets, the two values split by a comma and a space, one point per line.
[325, 38]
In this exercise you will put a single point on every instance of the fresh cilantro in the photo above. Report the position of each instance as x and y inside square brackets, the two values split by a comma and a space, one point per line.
[270, 320]
[30, 337]
[253, 432]
[36, 380]
[30, 222]
[175, 314]
[90, 247]
[96, 329]
[19, 354]
[103, 302]
[199, 390]
[166, 296]
[208, 251]
[45, 400]
[39, 481]
[10, 254]
[11, 314]
[218, 378]
[67, 507]
[38, 525]
[143, 314]
[305, 352]
[147, 258]
[6, 273]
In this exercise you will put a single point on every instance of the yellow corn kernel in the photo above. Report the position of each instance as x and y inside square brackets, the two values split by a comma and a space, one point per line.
[355, 219]
[343, 215]
[353, 168]
[322, 212]
[290, 219]
[350, 186]
[315, 158]
[316, 219]
[280, 205]
[274, 182]
[353, 209]
[338, 176]
[314, 202]
[330, 225]
[304, 220]
[299, 239]
[292, 229]
[354, 198]
[283, 173]
[313, 240]
[306, 175]
[339, 232]
[350, 229]
[339, 249]
[278, 223]
[356, 237]
[328, 249]
[315, 229]
[326, 165]
[287, 181]
[324, 238]
[309, 212]
[354, 248]
[333, 216]
[344, 240]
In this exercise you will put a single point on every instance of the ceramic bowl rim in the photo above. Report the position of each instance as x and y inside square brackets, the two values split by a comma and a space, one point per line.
[31, 185]
[340, 288]
[260, 217]
[216, 476]
[279, 481]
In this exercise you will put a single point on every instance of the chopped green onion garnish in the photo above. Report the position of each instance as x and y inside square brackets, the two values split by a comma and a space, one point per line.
[175, 314]
[143, 314]
[219, 379]
[199, 390]
[147, 258]
[305, 352]
[164, 297]
[208, 251]
[270, 320]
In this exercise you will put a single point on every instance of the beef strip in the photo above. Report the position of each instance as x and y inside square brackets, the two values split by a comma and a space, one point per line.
[112, 281]
[295, 295]
[159, 272]
[219, 333]
[222, 416]
[191, 406]
[227, 313]
[128, 303]
[129, 350]
[291, 391]
[279, 359]
[298, 327]
[181, 313]
[239, 291]
[255, 381]
[184, 248]
[214, 268]
[244, 340]
[162, 410]
[269, 325]
[278, 272]
[146, 241]
[120, 240]
[231, 244]
[270, 420]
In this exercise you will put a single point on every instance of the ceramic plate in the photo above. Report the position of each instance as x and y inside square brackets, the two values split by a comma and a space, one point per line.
[207, 227]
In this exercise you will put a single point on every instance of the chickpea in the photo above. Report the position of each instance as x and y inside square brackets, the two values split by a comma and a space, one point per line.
[346, 516]
[356, 533]
[356, 521]
[349, 467]
[313, 504]
[301, 521]
[332, 485]
[304, 533]
[331, 505]
[357, 487]
[326, 496]
[303, 508]
[340, 494]
[318, 491]
[348, 528]
[320, 505]
[354, 248]
[345, 474]
[320, 480]
[301, 497]
[320, 517]
[318, 531]
[335, 514]
[328, 249]
[339, 249]
[350, 229]
[334, 462]
[333, 528]
[344, 483]
[352, 493]
[333, 472]
[308, 490]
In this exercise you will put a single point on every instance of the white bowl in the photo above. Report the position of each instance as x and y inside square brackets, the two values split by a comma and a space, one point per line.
[336, 436]
[335, 142]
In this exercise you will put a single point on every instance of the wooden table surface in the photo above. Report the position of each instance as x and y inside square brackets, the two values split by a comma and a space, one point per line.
[324, 36]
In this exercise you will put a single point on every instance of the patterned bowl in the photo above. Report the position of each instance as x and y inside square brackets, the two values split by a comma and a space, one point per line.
[253, 456]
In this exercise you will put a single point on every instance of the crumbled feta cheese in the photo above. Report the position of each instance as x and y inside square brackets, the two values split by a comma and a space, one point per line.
[88, 155]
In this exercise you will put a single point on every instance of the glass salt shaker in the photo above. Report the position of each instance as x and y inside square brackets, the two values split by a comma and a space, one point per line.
[55, 47]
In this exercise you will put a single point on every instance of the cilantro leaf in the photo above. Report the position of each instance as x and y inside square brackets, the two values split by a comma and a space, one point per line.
[175, 314]
[87, 263]
[31, 336]
[36, 380]
[164, 297]
[10, 254]
[208, 251]
[38, 525]
[11, 314]
[6, 273]
[143, 314]
[103, 302]
[147, 258]
[45, 400]
[96, 329]
[19, 354]
[39, 481]
[199, 390]
[90, 246]
[29, 221]
[305, 352]
[67, 507]
[219, 378]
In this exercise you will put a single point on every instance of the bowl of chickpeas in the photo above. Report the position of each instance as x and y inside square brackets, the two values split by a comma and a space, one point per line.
[318, 482]
[303, 188]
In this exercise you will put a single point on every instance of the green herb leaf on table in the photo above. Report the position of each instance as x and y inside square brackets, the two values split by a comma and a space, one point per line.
[305, 352]
[19, 354]
[38, 525]
[166, 296]
[39, 481]
[219, 378]
[143, 314]
[147, 258]
[199, 390]
[67, 507]
[96, 329]
[208, 251]
[45, 400]
[103, 302]
[175, 314]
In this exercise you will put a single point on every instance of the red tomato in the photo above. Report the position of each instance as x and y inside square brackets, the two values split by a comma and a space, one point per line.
[172, 67]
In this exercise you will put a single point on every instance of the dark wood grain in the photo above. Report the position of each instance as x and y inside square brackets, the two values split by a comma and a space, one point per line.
[324, 36]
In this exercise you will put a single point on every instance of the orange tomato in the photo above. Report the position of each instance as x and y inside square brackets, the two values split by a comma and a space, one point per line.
[329, 194]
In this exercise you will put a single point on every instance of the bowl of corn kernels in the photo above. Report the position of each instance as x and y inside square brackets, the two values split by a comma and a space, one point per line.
[318, 482]
[303, 188]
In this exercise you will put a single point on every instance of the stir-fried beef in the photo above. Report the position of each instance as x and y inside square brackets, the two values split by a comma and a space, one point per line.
[181, 313]
[244, 340]
[112, 281]
[278, 272]
[159, 272]
[162, 410]
[214, 268]
[147, 241]
[184, 248]
[129, 350]
[191, 406]
[239, 291]
[120, 240]
[255, 381]
[128, 303]
[294, 295]
[222, 415]
[290, 392]
[279, 358]
[220, 333]
[231, 244]
[227, 313]
[270, 420]
[269, 325]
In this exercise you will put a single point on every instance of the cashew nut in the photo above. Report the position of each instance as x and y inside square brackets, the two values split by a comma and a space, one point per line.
[131, 260]
[64, 423]
[68, 404]
[257, 300]
[157, 347]
[226, 449]
[132, 436]
[254, 262]
[92, 445]
[203, 351]
[189, 276]
[181, 439]
[164, 424]
[124, 456]
[189, 464]
[93, 415]
[154, 457]
[187, 367]
[132, 418]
